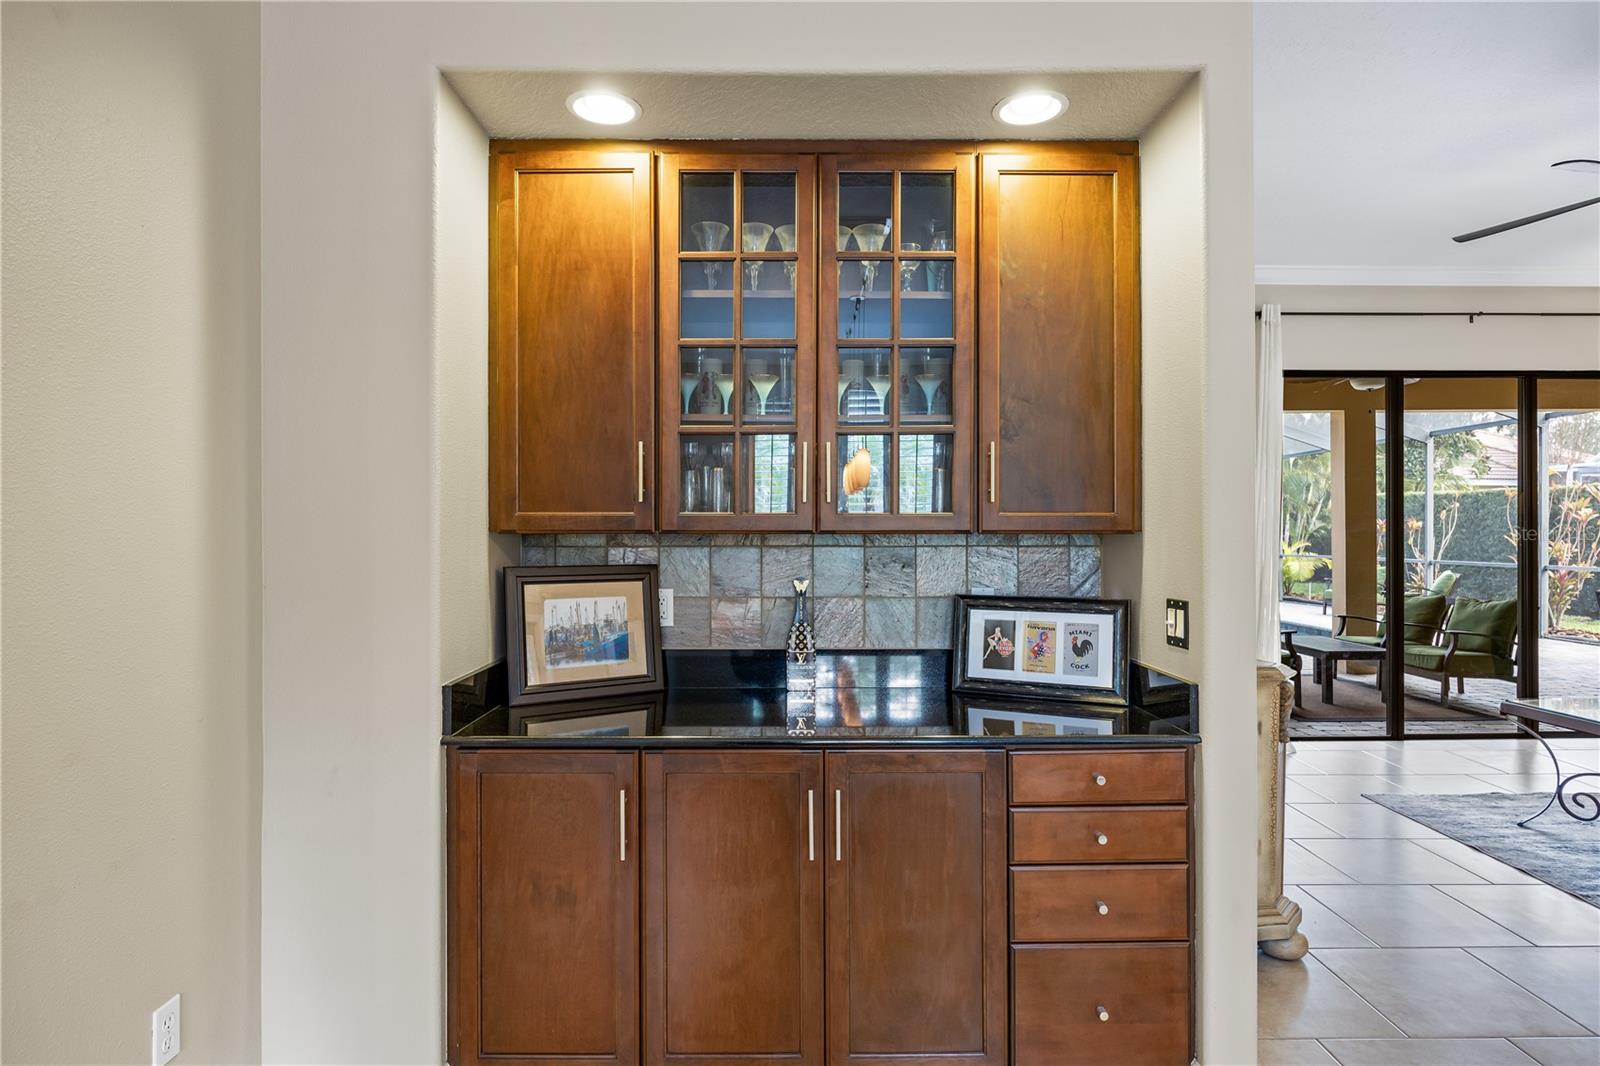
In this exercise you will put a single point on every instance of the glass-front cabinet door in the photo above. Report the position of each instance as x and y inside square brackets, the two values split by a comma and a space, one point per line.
[895, 313]
[738, 351]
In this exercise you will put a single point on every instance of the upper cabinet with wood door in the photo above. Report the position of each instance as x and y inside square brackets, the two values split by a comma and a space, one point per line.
[737, 346]
[1058, 346]
[895, 384]
[571, 418]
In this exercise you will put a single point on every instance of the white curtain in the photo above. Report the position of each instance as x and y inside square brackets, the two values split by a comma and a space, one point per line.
[1269, 480]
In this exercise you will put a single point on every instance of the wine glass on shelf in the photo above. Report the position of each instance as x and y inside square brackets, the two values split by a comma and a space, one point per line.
[710, 237]
[786, 242]
[908, 270]
[755, 238]
[939, 242]
[869, 238]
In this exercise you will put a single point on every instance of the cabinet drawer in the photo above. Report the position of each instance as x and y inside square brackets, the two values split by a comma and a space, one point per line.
[1095, 777]
[1060, 991]
[1065, 903]
[1100, 834]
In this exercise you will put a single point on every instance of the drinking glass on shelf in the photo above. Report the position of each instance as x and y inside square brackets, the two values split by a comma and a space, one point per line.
[879, 382]
[724, 383]
[786, 242]
[845, 234]
[756, 236]
[869, 238]
[939, 242]
[710, 235]
[762, 381]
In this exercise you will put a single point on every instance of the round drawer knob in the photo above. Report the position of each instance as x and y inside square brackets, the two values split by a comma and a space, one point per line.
[1100, 779]
[1100, 905]
[1100, 838]
[1103, 1014]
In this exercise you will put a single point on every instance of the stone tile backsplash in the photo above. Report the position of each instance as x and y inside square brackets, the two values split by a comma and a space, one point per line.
[884, 591]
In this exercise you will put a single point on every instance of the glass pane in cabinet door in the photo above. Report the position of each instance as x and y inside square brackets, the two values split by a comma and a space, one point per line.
[706, 213]
[768, 299]
[866, 384]
[769, 472]
[769, 384]
[864, 298]
[930, 310]
[866, 207]
[706, 467]
[925, 384]
[705, 384]
[927, 212]
[861, 467]
[768, 208]
[705, 298]
[925, 473]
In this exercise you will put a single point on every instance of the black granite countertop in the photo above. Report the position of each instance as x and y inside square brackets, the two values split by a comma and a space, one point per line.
[739, 698]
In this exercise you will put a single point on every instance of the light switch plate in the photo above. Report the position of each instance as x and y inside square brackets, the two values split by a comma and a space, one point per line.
[1178, 623]
[665, 596]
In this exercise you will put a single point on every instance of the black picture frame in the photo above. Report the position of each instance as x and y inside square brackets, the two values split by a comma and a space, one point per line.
[523, 684]
[1031, 618]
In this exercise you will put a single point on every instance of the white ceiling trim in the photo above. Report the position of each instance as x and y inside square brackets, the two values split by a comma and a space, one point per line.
[1447, 276]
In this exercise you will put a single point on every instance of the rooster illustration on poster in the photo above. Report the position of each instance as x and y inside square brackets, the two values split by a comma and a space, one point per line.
[1083, 654]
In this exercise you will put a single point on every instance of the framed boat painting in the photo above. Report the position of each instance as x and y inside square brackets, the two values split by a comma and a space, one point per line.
[1064, 649]
[577, 631]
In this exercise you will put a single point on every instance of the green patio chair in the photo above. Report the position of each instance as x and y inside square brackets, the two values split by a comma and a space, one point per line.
[1424, 614]
[1478, 639]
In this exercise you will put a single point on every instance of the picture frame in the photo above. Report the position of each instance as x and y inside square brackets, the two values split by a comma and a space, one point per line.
[1028, 719]
[1042, 647]
[591, 719]
[579, 631]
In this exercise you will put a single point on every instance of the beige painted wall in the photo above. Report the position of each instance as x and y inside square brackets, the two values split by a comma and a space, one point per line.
[470, 557]
[352, 955]
[131, 525]
[1489, 344]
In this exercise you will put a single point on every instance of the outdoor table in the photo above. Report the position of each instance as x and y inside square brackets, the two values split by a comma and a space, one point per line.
[1325, 653]
[1581, 714]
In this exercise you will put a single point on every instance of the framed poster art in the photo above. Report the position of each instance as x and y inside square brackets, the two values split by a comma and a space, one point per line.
[577, 631]
[1068, 649]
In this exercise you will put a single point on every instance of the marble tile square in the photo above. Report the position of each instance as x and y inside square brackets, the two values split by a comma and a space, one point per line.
[891, 571]
[566, 556]
[941, 571]
[786, 540]
[1344, 762]
[992, 568]
[820, 539]
[633, 540]
[934, 621]
[1297, 825]
[580, 540]
[686, 570]
[1364, 819]
[1301, 867]
[1085, 571]
[1390, 862]
[1538, 913]
[1442, 784]
[633, 556]
[1044, 571]
[1295, 792]
[1043, 539]
[1529, 761]
[1566, 978]
[735, 572]
[691, 623]
[1321, 926]
[1419, 758]
[1413, 916]
[840, 571]
[891, 623]
[1561, 1050]
[936, 540]
[537, 554]
[889, 540]
[1293, 1053]
[1537, 784]
[1458, 1051]
[1474, 861]
[1445, 992]
[776, 617]
[1304, 999]
[780, 567]
[841, 622]
[1348, 788]
[735, 621]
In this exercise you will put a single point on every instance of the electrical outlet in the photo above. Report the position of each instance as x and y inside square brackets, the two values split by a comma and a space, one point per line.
[666, 607]
[166, 1033]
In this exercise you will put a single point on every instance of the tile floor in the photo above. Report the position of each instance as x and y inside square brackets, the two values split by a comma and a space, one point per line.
[1425, 952]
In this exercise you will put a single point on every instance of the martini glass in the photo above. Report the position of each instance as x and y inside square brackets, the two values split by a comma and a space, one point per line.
[930, 387]
[844, 236]
[869, 238]
[850, 377]
[710, 235]
[756, 235]
[763, 384]
[724, 383]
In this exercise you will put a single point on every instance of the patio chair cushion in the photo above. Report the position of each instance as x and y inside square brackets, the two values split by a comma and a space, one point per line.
[1492, 623]
[1424, 615]
[1376, 642]
[1462, 663]
[1445, 583]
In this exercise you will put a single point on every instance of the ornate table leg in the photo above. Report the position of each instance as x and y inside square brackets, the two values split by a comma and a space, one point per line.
[1580, 800]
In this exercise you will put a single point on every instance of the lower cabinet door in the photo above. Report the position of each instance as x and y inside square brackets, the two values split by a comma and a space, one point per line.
[916, 912]
[733, 862]
[544, 908]
[1092, 1004]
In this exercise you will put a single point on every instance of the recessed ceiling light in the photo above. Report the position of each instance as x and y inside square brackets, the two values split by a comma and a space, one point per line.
[606, 108]
[1030, 108]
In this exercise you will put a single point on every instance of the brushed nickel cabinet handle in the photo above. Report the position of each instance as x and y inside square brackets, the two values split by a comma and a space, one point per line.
[622, 823]
[838, 825]
[1100, 838]
[805, 471]
[811, 825]
[1100, 907]
[1100, 779]
[641, 472]
[993, 469]
[827, 471]
[1103, 1014]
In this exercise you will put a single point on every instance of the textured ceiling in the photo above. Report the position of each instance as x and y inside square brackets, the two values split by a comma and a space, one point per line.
[807, 107]
[1381, 130]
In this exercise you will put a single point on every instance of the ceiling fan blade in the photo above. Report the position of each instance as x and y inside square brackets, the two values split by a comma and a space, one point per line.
[1540, 217]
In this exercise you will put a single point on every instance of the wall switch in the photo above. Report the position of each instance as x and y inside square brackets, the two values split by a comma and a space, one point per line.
[666, 607]
[166, 1033]
[1178, 623]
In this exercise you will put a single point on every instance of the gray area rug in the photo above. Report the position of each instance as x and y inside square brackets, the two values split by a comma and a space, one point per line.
[1558, 850]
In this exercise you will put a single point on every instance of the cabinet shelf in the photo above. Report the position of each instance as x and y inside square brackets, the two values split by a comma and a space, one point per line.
[727, 294]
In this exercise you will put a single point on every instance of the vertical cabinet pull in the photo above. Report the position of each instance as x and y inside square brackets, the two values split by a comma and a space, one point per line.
[811, 825]
[622, 824]
[805, 477]
[992, 471]
[827, 471]
[641, 472]
[838, 825]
